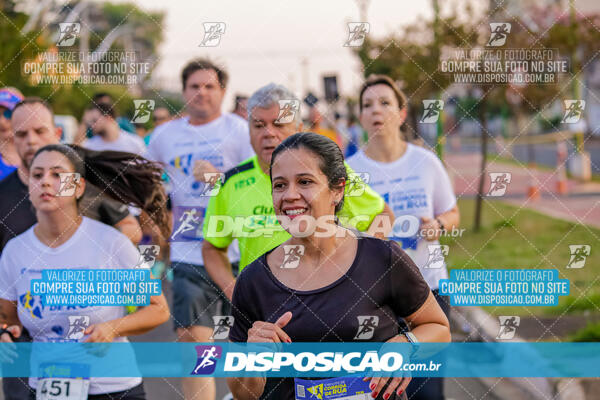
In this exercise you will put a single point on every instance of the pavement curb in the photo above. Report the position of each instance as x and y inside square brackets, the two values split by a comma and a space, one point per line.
[481, 325]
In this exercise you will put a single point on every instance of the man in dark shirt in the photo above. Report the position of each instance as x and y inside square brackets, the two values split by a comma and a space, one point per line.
[33, 127]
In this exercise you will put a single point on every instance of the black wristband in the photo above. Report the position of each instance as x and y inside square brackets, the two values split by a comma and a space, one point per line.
[9, 333]
[442, 227]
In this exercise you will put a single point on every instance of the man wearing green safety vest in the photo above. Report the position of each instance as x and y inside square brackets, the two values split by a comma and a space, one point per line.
[242, 207]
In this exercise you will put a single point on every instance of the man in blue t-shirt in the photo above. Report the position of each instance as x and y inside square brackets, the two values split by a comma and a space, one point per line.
[9, 159]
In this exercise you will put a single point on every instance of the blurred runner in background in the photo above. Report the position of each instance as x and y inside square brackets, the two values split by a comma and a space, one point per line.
[9, 159]
[195, 149]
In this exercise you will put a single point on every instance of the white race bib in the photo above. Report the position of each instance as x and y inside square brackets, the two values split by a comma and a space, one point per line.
[60, 381]
[62, 389]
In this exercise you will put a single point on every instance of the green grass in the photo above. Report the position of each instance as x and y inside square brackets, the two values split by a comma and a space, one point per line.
[591, 333]
[522, 238]
[523, 164]
[491, 157]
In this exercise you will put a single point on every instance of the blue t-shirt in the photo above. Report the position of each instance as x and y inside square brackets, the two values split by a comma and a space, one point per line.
[5, 169]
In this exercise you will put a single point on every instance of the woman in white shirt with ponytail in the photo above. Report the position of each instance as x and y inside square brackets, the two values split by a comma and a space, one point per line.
[414, 182]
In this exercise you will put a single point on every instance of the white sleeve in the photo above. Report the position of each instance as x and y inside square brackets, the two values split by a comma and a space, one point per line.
[245, 149]
[443, 193]
[151, 152]
[353, 162]
[88, 144]
[8, 287]
[125, 254]
[141, 147]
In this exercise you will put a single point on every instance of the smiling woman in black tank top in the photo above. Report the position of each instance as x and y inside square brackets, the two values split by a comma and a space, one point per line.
[335, 277]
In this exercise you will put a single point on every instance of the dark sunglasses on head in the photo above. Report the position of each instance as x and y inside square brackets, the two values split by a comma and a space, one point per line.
[7, 113]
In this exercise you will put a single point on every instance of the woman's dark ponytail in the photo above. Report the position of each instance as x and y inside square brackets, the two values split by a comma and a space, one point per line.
[125, 177]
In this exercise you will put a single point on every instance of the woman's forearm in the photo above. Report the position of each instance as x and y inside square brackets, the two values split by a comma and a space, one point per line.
[432, 332]
[8, 313]
[143, 320]
[450, 219]
[247, 388]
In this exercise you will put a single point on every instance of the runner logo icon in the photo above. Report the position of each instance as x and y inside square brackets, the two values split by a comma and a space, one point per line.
[579, 253]
[366, 326]
[436, 255]
[68, 32]
[500, 31]
[499, 183]
[213, 181]
[357, 33]
[431, 111]
[287, 111]
[223, 324]
[148, 254]
[212, 33]
[357, 183]
[508, 327]
[573, 111]
[189, 221]
[317, 391]
[68, 183]
[143, 110]
[207, 359]
[77, 326]
[292, 254]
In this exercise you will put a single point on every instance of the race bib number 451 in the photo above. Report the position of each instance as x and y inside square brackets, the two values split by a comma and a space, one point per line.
[62, 389]
[63, 382]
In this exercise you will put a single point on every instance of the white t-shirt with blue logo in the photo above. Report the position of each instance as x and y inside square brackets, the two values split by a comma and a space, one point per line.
[415, 184]
[125, 142]
[94, 245]
[224, 142]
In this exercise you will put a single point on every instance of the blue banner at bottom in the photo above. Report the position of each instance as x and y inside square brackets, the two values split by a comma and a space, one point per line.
[305, 359]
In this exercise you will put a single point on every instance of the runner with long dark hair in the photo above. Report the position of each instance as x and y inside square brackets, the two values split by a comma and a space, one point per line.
[63, 238]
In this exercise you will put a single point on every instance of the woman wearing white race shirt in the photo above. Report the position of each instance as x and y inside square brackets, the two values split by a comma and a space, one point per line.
[63, 239]
[414, 183]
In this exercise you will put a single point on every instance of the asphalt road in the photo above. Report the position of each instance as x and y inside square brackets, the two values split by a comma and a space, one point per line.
[170, 388]
[543, 154]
